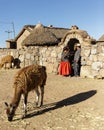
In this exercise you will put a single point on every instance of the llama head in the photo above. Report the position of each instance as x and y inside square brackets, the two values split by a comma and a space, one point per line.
[10, 111]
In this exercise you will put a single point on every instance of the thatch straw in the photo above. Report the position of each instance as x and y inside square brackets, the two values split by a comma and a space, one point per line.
[42, 35]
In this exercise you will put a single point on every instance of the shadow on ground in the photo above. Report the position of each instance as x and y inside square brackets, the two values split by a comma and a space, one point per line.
[68, 101]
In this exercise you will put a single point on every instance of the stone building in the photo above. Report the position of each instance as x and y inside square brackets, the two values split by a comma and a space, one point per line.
[44, 46]
[16, 42]
[50, 47]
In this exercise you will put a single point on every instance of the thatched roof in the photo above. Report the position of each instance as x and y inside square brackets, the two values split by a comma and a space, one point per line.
[59, 32]
[42, 35]
[101, 38]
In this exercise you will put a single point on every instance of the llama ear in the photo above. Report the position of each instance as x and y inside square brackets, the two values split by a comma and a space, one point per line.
[6, 104]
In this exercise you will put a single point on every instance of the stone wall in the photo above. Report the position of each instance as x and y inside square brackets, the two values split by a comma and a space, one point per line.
[20, 39]
[92, 58]
[48, 56]
[92, 61]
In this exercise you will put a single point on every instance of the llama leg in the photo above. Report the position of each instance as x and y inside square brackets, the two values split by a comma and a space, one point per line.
[10, 65]
[5, 66]
[25, 104]
[42, 94]
[37, 96]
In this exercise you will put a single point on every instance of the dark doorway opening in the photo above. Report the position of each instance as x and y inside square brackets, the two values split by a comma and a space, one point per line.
[71, 45]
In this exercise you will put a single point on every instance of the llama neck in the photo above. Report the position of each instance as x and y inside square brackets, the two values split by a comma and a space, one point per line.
[17, 97]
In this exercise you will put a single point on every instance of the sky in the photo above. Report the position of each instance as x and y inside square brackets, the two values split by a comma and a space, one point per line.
[86, 14]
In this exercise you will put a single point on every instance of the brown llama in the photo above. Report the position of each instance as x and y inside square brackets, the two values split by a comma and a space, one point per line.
[29, 78]
[7, 60]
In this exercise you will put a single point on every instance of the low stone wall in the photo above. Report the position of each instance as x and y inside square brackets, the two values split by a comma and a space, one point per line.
[92, 61]
[92, 58]
[48, 56]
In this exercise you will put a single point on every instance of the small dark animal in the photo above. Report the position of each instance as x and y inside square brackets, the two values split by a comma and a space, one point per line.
[27, 79]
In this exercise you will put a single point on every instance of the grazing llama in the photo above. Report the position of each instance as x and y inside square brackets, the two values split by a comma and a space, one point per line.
[7, 60]
[27, 79]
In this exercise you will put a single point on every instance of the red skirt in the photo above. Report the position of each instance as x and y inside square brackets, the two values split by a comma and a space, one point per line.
[65, 68]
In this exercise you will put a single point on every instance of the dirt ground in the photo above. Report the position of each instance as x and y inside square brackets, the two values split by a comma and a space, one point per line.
[70, 103]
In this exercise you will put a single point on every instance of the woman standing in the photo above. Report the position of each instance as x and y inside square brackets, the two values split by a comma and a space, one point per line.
[65, 67]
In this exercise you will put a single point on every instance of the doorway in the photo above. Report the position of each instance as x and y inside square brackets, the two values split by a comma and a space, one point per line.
[71, 46]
